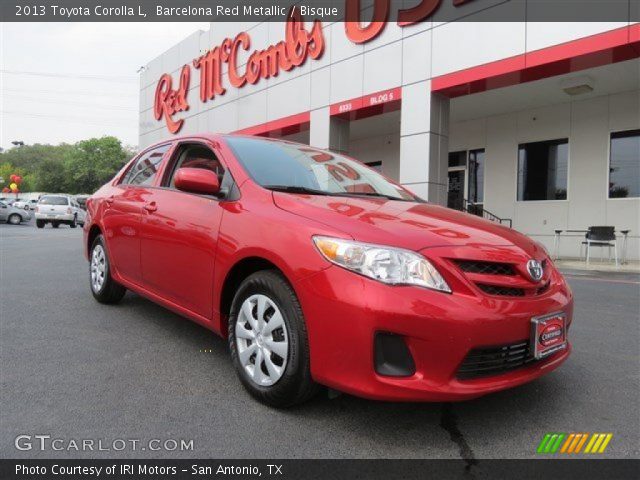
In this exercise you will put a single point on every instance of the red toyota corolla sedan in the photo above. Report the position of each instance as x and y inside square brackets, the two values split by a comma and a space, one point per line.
[320, 271]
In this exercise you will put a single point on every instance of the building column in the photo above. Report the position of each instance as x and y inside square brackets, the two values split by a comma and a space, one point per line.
[328, 132]
[424, 142]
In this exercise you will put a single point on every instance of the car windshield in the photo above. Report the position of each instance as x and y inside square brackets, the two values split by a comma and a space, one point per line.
[302, 169]
[51, 200]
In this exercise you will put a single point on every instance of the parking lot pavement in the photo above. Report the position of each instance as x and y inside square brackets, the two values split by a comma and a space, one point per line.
[74, 369]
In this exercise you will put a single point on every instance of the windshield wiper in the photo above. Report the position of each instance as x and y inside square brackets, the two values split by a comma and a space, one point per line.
[296, 189]
[313, 191]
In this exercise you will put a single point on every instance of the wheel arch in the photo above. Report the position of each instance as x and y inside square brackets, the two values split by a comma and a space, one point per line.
[94, 231]
[242, 269]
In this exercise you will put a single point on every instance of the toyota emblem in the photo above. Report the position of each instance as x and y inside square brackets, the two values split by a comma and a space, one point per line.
[535, 270]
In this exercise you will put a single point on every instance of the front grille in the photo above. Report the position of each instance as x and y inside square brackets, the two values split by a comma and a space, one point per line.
[543, 288]
[486, 268]
[485, 362]
[501, 291]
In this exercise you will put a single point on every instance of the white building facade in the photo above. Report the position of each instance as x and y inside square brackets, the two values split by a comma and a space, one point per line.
[533, 123]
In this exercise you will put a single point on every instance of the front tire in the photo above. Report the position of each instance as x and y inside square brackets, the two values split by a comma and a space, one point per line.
[268, 341]
[14, 219]
[103, 287]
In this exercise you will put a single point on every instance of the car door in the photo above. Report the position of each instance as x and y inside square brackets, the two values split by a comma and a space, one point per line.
[4, 209]
[180, 234]
[122, 214]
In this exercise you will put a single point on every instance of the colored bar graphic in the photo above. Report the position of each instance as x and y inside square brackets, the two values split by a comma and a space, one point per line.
[556, 445]
[572, 443]
[591, 442]
[567, 442]
[543, 443]
[581, 443]
[604, 445]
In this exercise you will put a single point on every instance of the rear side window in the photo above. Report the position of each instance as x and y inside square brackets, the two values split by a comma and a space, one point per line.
[54, 200]
[144, 170]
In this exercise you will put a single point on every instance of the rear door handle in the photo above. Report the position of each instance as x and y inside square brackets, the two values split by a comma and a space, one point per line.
[151, 207]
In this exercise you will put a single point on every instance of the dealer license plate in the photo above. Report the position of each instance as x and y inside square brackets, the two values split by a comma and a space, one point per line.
[548, 335]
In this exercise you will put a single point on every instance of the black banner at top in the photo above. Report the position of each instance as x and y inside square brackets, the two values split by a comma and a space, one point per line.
[326, 10]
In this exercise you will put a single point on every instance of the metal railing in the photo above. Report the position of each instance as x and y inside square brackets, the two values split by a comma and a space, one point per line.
[479, 210]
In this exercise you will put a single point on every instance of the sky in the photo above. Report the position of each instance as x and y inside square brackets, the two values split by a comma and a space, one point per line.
[64, 82]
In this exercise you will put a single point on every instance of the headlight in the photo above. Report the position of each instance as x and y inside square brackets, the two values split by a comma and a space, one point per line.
[393, 266]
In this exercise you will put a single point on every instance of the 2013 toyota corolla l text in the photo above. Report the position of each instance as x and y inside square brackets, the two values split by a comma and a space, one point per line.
[321, 271]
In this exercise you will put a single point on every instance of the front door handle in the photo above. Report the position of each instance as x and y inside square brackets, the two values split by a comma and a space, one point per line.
[151, 207]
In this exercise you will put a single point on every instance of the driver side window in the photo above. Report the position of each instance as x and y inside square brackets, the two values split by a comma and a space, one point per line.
[195, 156]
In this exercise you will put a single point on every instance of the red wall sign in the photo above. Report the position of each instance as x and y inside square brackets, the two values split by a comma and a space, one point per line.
[358, 33]
[292, 52]
[297, 46]
[168, 101]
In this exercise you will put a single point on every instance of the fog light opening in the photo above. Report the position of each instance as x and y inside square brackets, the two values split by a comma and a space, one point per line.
[392, 357]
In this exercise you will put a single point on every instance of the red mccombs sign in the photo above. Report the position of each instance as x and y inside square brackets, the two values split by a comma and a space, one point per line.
[298, 45]
[292, 52]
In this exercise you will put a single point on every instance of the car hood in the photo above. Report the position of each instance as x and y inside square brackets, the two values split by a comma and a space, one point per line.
[409, 225]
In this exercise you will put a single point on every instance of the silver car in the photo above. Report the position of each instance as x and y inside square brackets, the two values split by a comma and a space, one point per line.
[59, 209]
[13, 215]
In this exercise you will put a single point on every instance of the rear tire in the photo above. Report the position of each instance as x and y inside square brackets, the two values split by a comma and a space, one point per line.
[103, 287]
[280, 382]
[14, 219]
[40, 223]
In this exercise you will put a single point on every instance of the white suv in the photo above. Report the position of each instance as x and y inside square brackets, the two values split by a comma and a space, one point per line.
[57, 209]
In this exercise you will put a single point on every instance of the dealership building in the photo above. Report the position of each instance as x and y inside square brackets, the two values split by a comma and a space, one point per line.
[536, 125]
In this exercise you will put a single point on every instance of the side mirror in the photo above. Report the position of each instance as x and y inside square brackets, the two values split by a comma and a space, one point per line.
[197, 180]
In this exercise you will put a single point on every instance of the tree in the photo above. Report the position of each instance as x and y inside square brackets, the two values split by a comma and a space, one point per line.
[29, 156]
[79, 168]
[93, 162]
[51, 176]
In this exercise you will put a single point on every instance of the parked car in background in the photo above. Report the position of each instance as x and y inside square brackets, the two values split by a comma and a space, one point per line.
[20, 203]
[13, 215]
[320, 270]
[59, 209]
[33, 203]
[82, 200]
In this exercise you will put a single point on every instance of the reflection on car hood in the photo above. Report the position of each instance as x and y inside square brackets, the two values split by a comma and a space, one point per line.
[409, 225]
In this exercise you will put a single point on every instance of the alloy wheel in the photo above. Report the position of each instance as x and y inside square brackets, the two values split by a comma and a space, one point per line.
[98, 268]
[262, 340]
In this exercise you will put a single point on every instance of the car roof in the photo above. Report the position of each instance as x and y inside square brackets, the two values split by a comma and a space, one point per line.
[213, 137]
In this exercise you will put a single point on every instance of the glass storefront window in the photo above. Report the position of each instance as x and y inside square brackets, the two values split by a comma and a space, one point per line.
[458, 159]
[476, 176]
[542, 170]
[624, 165]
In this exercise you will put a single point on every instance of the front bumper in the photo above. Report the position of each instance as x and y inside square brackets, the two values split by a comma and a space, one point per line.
[344, 312]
